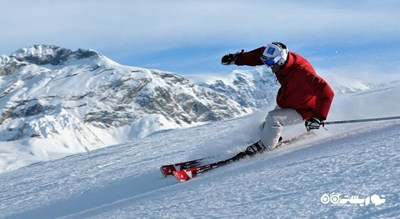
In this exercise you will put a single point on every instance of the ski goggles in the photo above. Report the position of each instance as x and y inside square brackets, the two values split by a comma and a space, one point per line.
[268, 61]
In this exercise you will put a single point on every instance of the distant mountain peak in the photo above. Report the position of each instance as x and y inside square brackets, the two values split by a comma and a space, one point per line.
[43, 54]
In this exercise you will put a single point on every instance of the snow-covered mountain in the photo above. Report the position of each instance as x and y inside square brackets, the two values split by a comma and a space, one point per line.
[52, 81]
[55, 101]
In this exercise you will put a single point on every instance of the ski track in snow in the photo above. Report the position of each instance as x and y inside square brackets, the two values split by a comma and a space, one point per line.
[124, 181]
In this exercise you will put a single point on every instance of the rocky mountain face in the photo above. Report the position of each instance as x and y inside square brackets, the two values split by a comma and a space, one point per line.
[250, 89]
[47, 89]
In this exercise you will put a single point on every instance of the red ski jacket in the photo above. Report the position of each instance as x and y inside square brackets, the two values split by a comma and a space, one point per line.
[301, 88]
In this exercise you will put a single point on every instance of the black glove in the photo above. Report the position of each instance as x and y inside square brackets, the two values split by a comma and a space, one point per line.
[229, 59]
[312, 123]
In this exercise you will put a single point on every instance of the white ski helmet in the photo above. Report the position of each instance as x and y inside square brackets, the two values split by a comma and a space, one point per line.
[275, 53]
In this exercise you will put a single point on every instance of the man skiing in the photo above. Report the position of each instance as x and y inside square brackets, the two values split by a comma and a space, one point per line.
[303, 95]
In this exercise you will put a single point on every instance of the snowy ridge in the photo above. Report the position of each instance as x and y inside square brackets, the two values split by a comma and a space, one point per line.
[346, 85]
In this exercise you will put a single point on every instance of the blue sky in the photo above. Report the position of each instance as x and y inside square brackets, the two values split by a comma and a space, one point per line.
[189, 37]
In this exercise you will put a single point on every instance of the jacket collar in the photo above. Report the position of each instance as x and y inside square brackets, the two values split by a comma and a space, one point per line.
[286, 67]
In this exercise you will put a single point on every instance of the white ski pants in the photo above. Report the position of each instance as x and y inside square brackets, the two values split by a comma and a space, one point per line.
[273, 125]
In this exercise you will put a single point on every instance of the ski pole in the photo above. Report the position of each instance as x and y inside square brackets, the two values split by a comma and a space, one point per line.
[360, 120]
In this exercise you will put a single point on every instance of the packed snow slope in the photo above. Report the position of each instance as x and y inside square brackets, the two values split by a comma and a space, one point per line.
[359, 164]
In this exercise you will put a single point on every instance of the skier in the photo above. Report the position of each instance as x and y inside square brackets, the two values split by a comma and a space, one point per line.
[303, 95]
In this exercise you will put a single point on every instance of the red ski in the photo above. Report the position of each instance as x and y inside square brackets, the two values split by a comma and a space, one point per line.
[167, 170]
[187, 170]
[186, 174]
